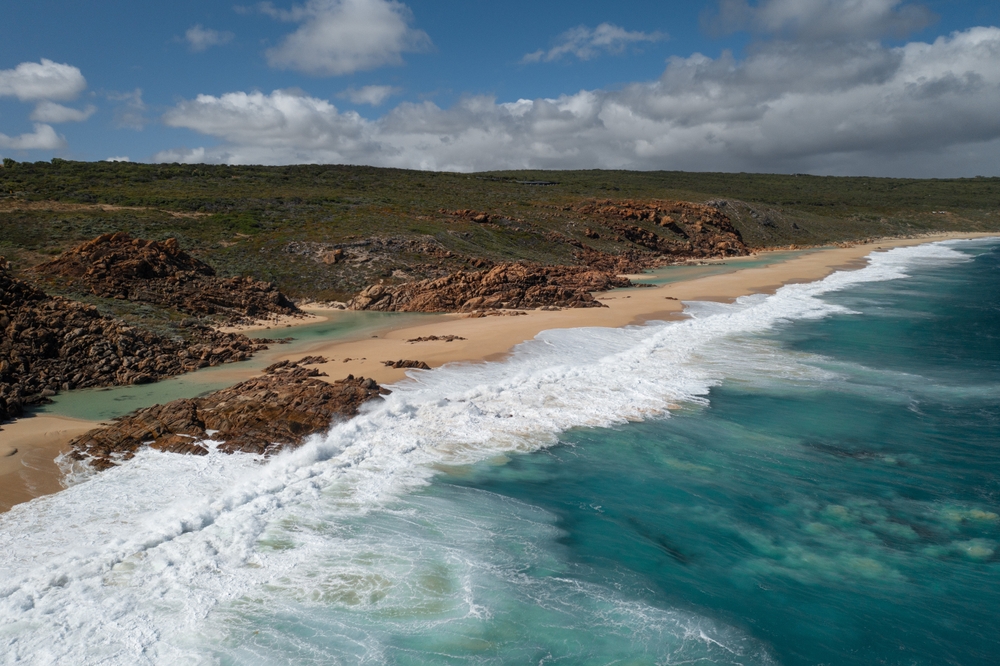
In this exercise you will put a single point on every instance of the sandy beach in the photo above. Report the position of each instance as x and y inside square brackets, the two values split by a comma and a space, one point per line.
[30, 471]
[28, 449]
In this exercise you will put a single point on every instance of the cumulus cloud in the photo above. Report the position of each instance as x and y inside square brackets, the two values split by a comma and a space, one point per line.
[861, 107]
[51, 112]
[586, 43]
[822, 19]
[343, 36]
[373, 95]
[118, 159]
[45, 80]
[43, 138]
[200, 38]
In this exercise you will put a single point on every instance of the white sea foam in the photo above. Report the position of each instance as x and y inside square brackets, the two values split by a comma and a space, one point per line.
[130, 565]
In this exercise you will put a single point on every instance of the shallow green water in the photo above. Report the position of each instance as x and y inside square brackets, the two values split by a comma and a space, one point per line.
[848, 518]
[671, 274]
[108, 403]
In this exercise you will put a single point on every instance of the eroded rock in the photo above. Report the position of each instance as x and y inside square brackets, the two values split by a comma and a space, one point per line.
[505, 286]
[262, 415]
[122, 267]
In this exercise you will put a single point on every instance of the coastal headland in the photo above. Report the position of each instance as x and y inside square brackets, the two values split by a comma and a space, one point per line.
[387, 354]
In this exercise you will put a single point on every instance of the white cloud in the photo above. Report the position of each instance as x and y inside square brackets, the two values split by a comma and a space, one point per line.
[344, 36]
[50, 112]
[585, 43]
[43, 138]
[200, 38]
[45, 80]
[919, 109]
[118, 159]
[130, 113]
[823, 19]
[373, 95]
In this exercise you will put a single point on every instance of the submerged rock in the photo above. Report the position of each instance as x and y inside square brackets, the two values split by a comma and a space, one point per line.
[261, 415]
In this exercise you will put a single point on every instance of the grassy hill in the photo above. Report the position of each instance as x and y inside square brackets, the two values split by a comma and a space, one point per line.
[285, 224]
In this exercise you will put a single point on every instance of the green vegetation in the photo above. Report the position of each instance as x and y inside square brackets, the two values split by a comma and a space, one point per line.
[283, 223]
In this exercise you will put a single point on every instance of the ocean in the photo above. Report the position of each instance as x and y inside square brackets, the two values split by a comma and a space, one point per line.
[809, 477]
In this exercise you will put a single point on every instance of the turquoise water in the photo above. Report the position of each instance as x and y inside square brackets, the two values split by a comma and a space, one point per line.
[679, 273]
[811, 477]
[849, 520]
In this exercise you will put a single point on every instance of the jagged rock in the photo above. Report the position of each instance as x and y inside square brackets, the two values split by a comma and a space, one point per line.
[695, 230]
[506, 286]
[434, 338]
[420, 365]
[262, 415]
[313, 360]
[51, 344]
[122, 267]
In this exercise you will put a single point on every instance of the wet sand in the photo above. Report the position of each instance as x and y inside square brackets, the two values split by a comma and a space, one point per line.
[28, 449]
[39, 439]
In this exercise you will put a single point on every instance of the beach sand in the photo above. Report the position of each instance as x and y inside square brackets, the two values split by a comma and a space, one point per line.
[31, 472]
[28, 449]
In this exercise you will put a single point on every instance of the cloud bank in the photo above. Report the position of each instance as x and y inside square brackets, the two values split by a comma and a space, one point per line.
[339, 37]
[585, 43]
[839, 107]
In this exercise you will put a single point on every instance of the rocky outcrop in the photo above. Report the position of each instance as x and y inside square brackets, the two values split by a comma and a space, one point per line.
[49, 344]
[122, 267]
[503, 286]
[436, 338]
[262, 415]
[692, 230]
[419, 365]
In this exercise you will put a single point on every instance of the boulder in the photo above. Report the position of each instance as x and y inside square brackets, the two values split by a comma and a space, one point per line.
[262, 415]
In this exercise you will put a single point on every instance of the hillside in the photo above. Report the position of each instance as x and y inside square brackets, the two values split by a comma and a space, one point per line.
[327, 232]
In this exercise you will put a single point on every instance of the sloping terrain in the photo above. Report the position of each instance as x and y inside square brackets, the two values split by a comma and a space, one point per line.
[141, 271]
[328, 232]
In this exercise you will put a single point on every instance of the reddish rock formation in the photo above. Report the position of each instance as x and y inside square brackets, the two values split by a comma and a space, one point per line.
[503, 286]
[262, 415]
[48, 344]
[419, 365]
[694, 230]
[119, 266]
[436, 338]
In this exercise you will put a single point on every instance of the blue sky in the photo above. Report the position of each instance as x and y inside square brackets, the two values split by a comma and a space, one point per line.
[881, 87]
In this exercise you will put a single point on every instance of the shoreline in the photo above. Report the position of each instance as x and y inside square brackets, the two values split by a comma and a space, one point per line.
[31, 471]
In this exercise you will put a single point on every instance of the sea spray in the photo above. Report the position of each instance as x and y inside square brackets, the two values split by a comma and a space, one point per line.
[122, 565]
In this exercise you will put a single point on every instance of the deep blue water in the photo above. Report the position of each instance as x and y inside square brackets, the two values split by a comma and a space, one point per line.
[848, 516]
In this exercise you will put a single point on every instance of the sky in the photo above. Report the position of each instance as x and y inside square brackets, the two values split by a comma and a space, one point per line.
[832, 87]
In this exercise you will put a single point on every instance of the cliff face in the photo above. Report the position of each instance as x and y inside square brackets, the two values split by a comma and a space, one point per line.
[503, 286]
[122, 267]
[262, 415]
[48, 344]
